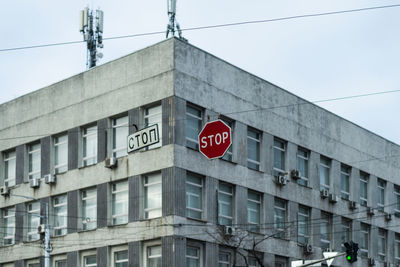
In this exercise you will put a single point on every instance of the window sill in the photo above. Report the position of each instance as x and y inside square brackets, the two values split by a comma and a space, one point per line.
[32, 241]
[230, 161]
[85, 230]
[197, 220]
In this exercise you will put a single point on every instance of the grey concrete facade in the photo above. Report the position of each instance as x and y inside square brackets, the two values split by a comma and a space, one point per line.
[176, 75]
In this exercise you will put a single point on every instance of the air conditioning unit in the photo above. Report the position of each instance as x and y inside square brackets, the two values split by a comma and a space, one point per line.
[281, 180]
[333, 198]
[4, 190]
[111, 162]
[308, 249]
[295, 174]
[229, 230]
[49, 179]
[370, 211]
[41, 229]
[324, 193]
[388, 216]
[34, 183]
[371, 261]
[327, 250]
[353, 205]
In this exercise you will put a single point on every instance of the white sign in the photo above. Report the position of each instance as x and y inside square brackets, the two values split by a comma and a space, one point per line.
[143, 138]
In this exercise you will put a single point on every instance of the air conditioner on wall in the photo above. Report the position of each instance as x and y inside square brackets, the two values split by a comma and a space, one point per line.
[229, 230]
[370, 211]
[34, 183]
[333, 198]
[353, 205]
[281, 180]
[111, 162]
[49, 179]
[324, 193]
[295, 174]
[371, 261]
[4, 190]
[308, 249]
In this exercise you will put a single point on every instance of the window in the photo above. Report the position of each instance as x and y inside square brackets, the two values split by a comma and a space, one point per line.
[193, 126]
[194, 196]
[89, 209]
[302, 166]
[9, 168]
[324, 170]
[33, 215]
[153, 256]
[326, 230]
[345, 233]
[303, 225]
[279, 156]
[397, 197]
[281, 261]
[34, 161]
[60, 215]
[8, 226]
[397, 248]
[89, 140]
[61, 263]
[225, 204]
[229, 153]
[279, 217]
[345, 181]
[363, 189]
[253, 262]
[224, 259]
[152, 196]
[121, 258]
[153, 115]
[381, 195]
[193, 257]
[89, 261]
[33, 265]
[253, 149]
[381, 244]
[364, 239]
[61, 153]
[120, 132]
[253, 210]
[119, 200]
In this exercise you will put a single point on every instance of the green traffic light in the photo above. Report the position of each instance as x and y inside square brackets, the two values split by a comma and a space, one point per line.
[349, 258]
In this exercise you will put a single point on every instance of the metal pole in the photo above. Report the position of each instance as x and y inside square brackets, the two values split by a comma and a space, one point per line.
[321, 260]
[47, 239]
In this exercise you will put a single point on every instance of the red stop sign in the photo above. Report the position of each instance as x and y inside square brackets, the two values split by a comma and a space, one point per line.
[215, 139]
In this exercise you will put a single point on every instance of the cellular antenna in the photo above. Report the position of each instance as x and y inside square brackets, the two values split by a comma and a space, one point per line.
[173, 25]
[91, 26]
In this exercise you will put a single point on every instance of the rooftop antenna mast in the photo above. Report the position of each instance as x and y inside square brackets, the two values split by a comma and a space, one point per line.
[91, 26]
[173, 25]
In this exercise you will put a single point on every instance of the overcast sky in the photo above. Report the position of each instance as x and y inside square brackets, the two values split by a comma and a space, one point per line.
[316, 57]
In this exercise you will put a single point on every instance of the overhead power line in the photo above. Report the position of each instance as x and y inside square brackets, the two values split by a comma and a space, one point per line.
[210, 26]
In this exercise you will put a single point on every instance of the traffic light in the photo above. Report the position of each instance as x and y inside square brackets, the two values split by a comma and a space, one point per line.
[351, 251]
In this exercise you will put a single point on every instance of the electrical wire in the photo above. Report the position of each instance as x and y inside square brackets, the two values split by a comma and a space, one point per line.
[211, 26]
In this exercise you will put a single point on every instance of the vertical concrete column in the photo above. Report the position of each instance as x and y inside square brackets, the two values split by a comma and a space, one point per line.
[102, 257]
[313, 172]
[167, 251]
[315, 227]
[19, 222]
[241, 138]
[45, 147]
[335, 179]
[373, 191]
[73, 148]
[72, 219]
[173, 191]
[173, 121]
[211, 255]
[355, 185]
[337, 233]
[241, 207]
[133, 119]
[390, 249]
[211, 200]
[179, 251]
[134, 252]
[134, 198]
[373, 241]
[266, 159]
[269, 259]
[102, 205]
[293, 209]
[72, 259]
[20, 173]
[268, 214]
[102, 133]
[291, 158]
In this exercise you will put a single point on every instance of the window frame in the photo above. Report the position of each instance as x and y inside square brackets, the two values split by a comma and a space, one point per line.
[117, 249]
[345, 173]
[282, 151]
[304, 179]
[396, 248]
[381, 186]
[231, 195]
[60, 167]
[146, 246]
[83, 208]
[201, 196]
[147, 116]
[364, 230]
[230, 257]
[228, 156]
[189, 142]
[346, 231]
[64, 227]
[35, 215]
[199, 249]
[254, 226]
[307, 216]
[382, 236]
[85, 134]
[280, 232]
[34, 172]
[254, 164]
[7, 158]
[325, 163]
[364, 178]
[326, 218]
[5, 224]
[123, 187]
[396, 192]
[87, 254]
[146, 186]
[120, 151]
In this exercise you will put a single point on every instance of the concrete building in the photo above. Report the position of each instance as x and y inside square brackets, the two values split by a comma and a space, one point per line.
[167, 205]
